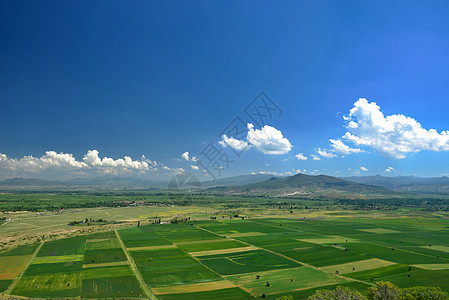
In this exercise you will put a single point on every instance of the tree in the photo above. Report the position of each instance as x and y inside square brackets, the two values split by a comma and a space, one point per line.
[340, 293]
[384, 291]
[424, 293]
[289, 297]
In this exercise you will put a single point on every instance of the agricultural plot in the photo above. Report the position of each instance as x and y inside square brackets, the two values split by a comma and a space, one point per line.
[170, 267]
[278, 281]
[88, 266]
[11, 266]
[135, 237]
[362, 265]
[246, 262]
[222, 294]
[232, 259]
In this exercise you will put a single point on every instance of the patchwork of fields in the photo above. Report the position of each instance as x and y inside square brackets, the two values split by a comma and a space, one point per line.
[230, 259]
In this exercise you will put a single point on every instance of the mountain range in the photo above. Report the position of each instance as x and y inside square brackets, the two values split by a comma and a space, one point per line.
[260, 184]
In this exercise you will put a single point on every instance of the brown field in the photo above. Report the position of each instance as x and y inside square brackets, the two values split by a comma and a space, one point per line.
[194, 287]
[11, 266]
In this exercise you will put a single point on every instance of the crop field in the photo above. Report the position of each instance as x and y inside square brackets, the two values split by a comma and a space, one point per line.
[232, 258]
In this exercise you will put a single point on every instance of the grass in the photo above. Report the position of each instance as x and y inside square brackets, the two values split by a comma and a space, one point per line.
[107, 243]
[223, 294]
[106, 272]
[195, 287]
[4, 284]
[68, 246]
[52, 268]
[111, 287]
[284, 280]
[170, 267]
[246, 262]
[57, 259]
[40, 285]
[11, 266]
[362, 265]
[104, 256]
[212, 246]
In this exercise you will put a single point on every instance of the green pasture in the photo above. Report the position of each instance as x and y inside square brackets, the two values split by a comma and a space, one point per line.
[246, 262]
[281, 281]
[170, 267]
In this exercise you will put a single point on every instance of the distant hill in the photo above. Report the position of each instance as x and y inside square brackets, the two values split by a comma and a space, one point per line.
[305, 184]
[236, 180]
[29, 182]
[407, 184]
[106, 181]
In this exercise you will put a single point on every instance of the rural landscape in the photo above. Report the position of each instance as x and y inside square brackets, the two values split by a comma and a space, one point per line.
[224, 150]
[140, 244]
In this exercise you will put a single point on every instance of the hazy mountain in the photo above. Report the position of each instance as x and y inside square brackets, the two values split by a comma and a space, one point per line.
[433, 185]
[236, 180]
[305, 184]
[91, 182]
[28, 182]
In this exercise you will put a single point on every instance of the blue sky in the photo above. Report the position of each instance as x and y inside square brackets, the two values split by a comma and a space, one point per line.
[161, 78]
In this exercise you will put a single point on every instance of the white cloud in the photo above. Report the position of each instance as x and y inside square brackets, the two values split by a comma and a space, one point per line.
[389, 169]
[393, 136]
[233, 143]
[342, 148]
[93, 160]
[364, 169]
[315, 157]
[300, 156]
[268, 140]
[186, 156]
[325, 153]
[196, 168]
[52, 161]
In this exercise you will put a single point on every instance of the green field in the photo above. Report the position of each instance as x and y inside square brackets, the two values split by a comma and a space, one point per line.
[231, 258]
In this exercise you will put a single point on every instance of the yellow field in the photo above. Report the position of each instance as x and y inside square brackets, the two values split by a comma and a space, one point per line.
[380, 230]
[243, 234]
[11, 266]
[56, 259]
[363, 265]
[433, 266]
[202, 242]
[223, 251]
[194, 287]
[333, 239]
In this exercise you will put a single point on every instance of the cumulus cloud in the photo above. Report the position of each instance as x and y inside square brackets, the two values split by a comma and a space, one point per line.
[364, 169]
[92, 159]
[389, 169]
[268, 140]
[233, 143]
[66, 162]
[186, 156]
[342, 148]
[194, 167]
[393, 136]
[315, 157]
[325, 153]
[301, 156]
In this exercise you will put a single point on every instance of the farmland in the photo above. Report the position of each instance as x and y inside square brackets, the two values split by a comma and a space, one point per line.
[269, 251]
[216, 247]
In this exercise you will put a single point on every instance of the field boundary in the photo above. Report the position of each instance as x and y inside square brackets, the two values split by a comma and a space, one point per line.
[136, 271]
[13, 284]
[223, 251]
